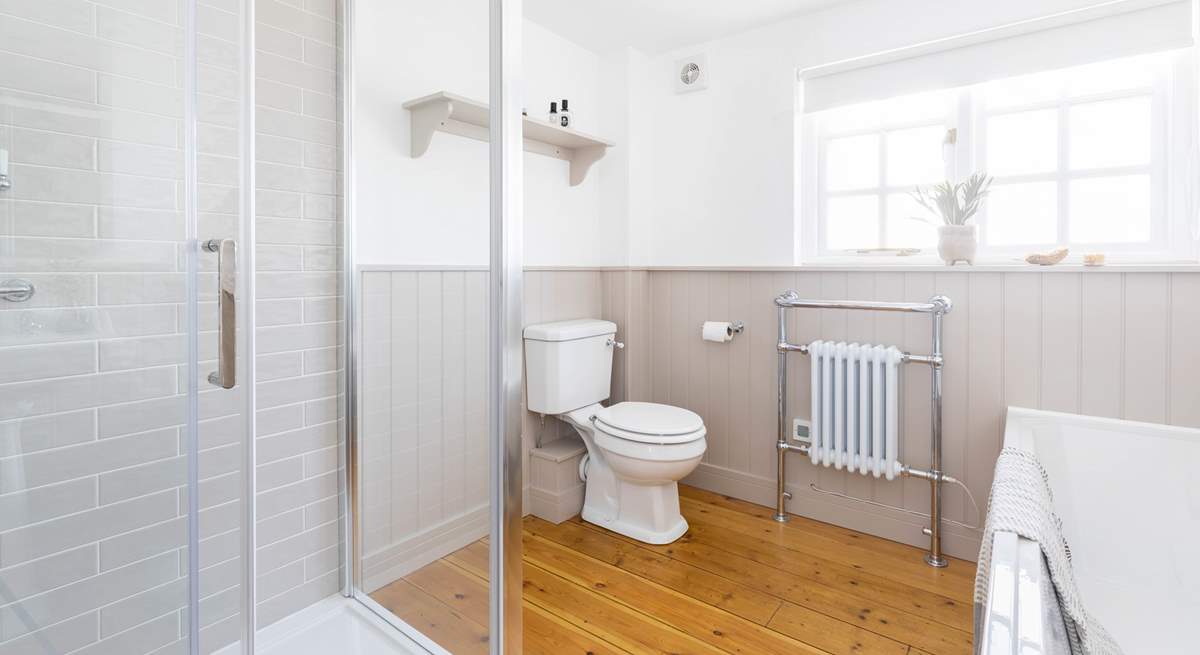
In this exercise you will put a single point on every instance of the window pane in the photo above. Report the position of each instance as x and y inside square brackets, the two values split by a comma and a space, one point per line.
[852, 222]
[1022, 143]
[1110, 209]
[902, 230]
[1113, 133]
[915, 156]
[1020, 214]
[852, 163]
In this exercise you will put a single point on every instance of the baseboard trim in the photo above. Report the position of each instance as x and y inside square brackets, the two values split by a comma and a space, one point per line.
[390, 563]
[890, 524]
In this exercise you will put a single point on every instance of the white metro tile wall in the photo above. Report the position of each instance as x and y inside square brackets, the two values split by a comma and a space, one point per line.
[90, 452]
[91, 465]
[299, 337]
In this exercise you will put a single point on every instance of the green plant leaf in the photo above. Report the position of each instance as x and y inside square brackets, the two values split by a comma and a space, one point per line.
[954, 204]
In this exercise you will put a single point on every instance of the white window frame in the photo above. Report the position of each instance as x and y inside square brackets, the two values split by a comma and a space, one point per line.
[1175, 224]
[1063, 175]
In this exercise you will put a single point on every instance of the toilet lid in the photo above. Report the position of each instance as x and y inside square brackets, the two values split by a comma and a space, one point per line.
[650, 422]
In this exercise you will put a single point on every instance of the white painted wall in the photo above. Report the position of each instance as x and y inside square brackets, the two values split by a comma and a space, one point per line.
[434, 210]
[703, 179]
[722, 159]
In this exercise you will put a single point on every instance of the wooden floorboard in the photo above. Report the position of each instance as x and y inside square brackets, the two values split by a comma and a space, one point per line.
[838, 617]
[737, 582]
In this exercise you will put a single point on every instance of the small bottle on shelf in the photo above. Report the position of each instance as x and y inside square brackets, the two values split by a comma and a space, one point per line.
[564, 117]
[554, 113]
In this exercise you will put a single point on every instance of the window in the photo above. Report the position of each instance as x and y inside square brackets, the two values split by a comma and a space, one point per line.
[869, 158]
[1086, 157]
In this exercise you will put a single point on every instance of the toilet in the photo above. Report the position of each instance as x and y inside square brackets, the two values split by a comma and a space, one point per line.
[636, 451]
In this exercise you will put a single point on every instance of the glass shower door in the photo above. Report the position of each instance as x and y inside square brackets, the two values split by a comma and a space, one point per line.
[435, 463]
[122, 472]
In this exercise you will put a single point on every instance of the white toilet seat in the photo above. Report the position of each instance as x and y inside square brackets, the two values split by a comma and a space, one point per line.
[651, 452]
[649, 423]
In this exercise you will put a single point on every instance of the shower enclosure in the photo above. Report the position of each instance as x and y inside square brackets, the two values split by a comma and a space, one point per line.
[177, 324]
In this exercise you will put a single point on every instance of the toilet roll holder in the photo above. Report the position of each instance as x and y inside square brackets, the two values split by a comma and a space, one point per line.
[735, 328]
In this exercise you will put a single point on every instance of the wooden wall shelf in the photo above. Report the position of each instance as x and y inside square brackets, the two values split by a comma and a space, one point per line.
[454, 114]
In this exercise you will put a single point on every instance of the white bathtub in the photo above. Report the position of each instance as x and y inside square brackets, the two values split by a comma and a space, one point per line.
[1129, 497]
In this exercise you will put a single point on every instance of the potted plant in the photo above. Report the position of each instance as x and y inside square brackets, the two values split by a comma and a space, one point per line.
[954, 206]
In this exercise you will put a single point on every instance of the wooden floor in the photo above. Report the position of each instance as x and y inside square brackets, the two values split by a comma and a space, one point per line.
[737, 582]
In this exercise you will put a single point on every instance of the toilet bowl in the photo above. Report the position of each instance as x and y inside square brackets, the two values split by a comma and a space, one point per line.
[636, 452]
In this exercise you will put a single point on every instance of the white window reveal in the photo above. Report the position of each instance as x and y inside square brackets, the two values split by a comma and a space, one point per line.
[1097, 157]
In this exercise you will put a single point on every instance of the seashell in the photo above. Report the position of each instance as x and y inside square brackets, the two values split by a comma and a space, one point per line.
[1093, 259]
[1047, 258]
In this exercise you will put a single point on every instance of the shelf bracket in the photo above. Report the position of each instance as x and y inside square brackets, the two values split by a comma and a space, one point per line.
[582, 160]
[426, 119]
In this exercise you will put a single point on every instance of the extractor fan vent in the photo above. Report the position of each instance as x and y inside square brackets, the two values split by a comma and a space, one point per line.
[692, 74]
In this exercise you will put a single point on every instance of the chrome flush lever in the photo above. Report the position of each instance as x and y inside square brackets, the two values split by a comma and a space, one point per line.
[614, 344]
[226, 374]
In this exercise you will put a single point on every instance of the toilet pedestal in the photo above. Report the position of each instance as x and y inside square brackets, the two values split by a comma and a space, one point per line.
[648, 513]
[644, 510]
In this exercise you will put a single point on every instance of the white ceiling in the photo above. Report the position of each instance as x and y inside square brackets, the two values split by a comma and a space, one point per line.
[655, 26]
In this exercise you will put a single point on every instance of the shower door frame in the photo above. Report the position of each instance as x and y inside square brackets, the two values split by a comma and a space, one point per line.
[505, 378]
[505, 288]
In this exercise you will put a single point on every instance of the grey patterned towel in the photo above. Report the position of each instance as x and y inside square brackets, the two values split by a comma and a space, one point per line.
[1021, 503]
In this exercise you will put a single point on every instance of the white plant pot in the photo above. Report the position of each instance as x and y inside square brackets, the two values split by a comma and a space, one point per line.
[957, 243]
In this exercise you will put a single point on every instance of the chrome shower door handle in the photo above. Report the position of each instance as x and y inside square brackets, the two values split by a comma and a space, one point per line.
[16, 290]
[226, 374]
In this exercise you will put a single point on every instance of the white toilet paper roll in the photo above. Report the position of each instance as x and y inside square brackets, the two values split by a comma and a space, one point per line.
[718, 331]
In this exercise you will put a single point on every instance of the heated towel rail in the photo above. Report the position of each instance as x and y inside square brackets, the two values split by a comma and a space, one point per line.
[937, 307]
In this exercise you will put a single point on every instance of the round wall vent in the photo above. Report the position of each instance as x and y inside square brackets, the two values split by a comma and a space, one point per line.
[690, 73]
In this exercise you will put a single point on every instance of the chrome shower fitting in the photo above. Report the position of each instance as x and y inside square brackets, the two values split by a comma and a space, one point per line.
[5, 181]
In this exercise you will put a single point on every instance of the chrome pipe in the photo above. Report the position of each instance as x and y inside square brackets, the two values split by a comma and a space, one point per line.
[932, 360]
[934, 557]
[781, 449]
[910, 472]
[799, 448]
[931, 307]
[908, 358]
